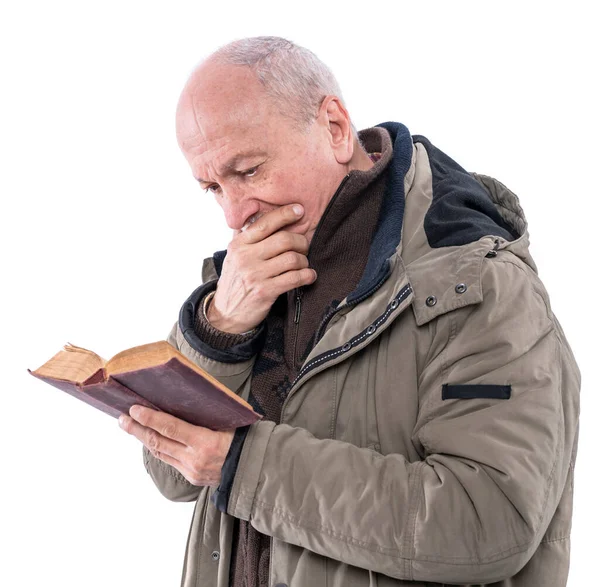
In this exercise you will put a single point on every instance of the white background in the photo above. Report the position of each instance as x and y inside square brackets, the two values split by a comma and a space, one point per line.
[104, 229]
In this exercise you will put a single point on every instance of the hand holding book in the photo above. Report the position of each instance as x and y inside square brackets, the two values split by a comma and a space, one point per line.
[196, 452]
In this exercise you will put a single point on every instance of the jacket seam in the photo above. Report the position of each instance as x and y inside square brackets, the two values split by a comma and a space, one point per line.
[459, 560]
[416, 499]
[432, 332]
[444, 366]
[205, 506]
[559, 539]
[558, 436]
[553, 471]
[333, 404]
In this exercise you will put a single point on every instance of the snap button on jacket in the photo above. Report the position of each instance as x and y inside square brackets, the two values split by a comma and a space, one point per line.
[431, 434]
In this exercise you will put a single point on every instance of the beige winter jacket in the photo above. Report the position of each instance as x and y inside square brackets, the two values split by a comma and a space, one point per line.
[431, 435]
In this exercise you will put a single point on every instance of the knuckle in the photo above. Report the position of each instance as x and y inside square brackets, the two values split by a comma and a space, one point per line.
[248, 280]
[306, 275]
[212, 445]
[291, 258]
[153, 440]
[197, 468]
[260, 291]
[284, 239]
[300, 243]
[170, 430]
[296, 278]
[261, 226]
[291, 239]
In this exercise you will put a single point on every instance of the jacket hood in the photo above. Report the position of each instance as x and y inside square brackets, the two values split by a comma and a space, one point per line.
[461, 207]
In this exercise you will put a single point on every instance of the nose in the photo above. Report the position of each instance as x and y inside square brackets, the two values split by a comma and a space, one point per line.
[237, 208]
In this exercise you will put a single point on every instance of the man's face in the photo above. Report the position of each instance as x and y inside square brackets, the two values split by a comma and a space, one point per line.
[249, 156]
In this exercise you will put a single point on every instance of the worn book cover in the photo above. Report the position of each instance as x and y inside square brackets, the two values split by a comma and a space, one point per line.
[155, 375]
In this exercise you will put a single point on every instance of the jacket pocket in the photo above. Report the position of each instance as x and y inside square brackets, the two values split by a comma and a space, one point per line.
[475, 390]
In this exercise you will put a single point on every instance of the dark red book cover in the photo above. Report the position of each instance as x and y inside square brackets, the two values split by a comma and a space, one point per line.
[181, 391]
[172, 387]
[109, 396]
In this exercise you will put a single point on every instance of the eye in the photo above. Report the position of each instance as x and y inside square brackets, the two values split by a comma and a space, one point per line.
[210, 188]
[250, 172]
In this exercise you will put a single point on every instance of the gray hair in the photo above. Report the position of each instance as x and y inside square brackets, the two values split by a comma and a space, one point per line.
[292, 75]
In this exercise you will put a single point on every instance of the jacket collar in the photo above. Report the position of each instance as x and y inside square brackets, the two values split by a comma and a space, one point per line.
[448, 277]
[438, 270]
[441, 254]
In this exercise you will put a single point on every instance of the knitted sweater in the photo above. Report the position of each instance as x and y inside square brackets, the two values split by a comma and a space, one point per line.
[338, 252]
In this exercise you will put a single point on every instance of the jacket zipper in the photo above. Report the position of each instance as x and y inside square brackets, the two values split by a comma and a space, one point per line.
[318, 361]
[332, 313]
[300, 290]
[298, 305]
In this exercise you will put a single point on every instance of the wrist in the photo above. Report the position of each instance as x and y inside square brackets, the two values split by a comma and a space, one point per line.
[213, 317]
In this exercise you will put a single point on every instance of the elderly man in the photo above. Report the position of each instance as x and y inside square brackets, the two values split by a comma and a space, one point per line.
[379, 306]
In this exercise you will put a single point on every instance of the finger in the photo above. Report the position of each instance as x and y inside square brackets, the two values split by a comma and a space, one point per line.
[291, 279]
[165, 424]
[173, 462]
[288, 261]
[281, 242]
[271, 222]
[151, 438]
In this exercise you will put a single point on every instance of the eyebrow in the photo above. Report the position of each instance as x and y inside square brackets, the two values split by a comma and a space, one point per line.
[232, 163]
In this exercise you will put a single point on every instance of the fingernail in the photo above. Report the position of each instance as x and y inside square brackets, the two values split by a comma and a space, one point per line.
[121, 420]
[298, 209]
[134, 411]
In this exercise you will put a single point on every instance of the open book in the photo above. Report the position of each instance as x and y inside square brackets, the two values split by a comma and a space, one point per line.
[155, 375]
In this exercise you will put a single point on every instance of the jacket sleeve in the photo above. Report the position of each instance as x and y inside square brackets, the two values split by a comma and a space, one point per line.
[476, 507]
[227, 358]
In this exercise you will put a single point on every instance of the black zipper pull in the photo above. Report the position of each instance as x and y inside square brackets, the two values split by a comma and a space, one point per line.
[298, 306]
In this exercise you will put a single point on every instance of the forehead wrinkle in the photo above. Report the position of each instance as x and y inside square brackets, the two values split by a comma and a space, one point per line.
[213, 164]
[221, 125]
[231, 164]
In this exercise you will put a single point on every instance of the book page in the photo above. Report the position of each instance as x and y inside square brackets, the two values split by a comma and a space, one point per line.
[73, 364]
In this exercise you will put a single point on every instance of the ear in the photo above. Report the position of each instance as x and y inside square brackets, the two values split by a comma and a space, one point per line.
[337, 123]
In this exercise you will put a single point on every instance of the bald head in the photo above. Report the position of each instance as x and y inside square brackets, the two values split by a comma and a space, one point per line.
[222, 96]
[292, 76]
[253, 152]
